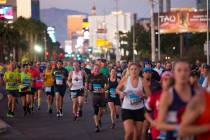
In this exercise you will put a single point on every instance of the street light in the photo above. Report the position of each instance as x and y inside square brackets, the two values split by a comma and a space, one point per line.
[38, 48]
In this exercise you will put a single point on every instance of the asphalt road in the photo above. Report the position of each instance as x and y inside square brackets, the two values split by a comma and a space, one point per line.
[41, 125]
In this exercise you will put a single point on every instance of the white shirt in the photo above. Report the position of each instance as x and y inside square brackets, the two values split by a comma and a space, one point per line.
[131, 100]
[77, 80]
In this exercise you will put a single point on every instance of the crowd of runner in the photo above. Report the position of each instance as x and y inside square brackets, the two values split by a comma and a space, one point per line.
[157, 101]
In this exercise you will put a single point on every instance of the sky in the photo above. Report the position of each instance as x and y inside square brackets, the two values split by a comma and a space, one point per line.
[141, 7]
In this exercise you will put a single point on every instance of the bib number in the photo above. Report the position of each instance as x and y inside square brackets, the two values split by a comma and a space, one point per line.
[96, 87]
[59, 80]
[47, 89]
[112, 92]
[134, 99]
[11, 84]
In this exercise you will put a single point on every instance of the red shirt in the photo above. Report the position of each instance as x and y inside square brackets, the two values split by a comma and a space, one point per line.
[35, 75]
[204, 118]
[152, 104]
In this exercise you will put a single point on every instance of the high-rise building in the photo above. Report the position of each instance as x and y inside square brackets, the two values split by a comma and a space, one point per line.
[24, 8]
[103, 29]
[168, 5]
[201, 4]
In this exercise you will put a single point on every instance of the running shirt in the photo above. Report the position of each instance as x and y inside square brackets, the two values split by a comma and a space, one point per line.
[104, 71]
[77, 80]
[48, 78]
[204, 118]
[11, 79]
[97, 82]
[153, 104]
[131, 100]
[58, 76]
[112, 89]
[25, 82]
[35, 74]
[175, 112]
[119, 72]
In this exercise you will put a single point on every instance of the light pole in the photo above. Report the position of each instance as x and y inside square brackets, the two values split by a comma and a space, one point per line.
[45, 46]
[117, 34]
[159, 31]
[134, 37]
[152, 30]
[207, 34]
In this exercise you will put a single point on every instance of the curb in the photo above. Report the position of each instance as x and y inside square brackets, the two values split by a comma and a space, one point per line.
[3, 126]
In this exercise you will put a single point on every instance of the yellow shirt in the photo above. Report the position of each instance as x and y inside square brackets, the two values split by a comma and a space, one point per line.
[48, 78]
[11, 78]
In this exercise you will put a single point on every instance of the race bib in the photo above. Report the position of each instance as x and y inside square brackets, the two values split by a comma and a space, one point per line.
[112, 92]
[47, 89]
[96, 87]
[59, 80]
[11, 84]
[134, 99]
[119, 74]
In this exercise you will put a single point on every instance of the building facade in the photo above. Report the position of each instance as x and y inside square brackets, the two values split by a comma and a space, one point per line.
[104, 28]
[201, 4]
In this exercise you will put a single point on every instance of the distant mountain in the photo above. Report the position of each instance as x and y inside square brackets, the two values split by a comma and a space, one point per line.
[58, 18]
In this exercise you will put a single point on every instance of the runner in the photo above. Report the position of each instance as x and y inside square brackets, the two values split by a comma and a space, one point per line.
[196, 119]
[60, 76]
[132, 107]
[35, 74]
[113, 97]
[96, 83]
[48, 87]
[11, 78]
[75, 82]
[174, 101]
[25, 89]
[119, 70]
[39, 83]
[153, 102]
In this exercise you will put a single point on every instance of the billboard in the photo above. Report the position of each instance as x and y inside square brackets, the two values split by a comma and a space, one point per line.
[182, 21]
[6, 12]
[3, 1]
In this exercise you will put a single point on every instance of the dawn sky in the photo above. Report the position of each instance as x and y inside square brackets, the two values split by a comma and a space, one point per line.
[105, 6]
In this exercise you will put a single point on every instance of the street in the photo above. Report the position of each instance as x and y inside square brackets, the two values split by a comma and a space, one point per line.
[41, 125]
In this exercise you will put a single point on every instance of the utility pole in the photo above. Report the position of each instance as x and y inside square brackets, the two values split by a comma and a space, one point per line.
[118, 55]
[134, 36]
[45, 46]
[159, 51]
[152, 30]
[207, 33]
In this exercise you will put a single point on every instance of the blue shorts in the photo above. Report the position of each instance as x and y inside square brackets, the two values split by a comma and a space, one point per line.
[60, 89]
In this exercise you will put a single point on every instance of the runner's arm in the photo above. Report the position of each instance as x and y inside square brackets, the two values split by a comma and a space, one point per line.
[165, 101]
[193, 111]
[69, 80]
[120, 86]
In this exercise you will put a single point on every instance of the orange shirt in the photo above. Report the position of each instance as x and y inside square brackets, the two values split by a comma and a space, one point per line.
[204, 118]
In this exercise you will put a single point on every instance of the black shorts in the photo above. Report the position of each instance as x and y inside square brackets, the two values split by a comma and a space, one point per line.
[12, 93]
[60, 89]
[116, 100]
[99, 100]
[33, 90]
[77, 93]
[135, 115]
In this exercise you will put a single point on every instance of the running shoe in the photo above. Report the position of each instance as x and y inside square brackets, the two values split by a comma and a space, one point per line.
[113, 126]
[9, 114]
[50, 111]
[61, 113]
[58, 114]
[97, 129]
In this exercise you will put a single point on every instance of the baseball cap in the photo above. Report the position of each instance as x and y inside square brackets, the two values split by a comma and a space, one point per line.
[147, 69]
